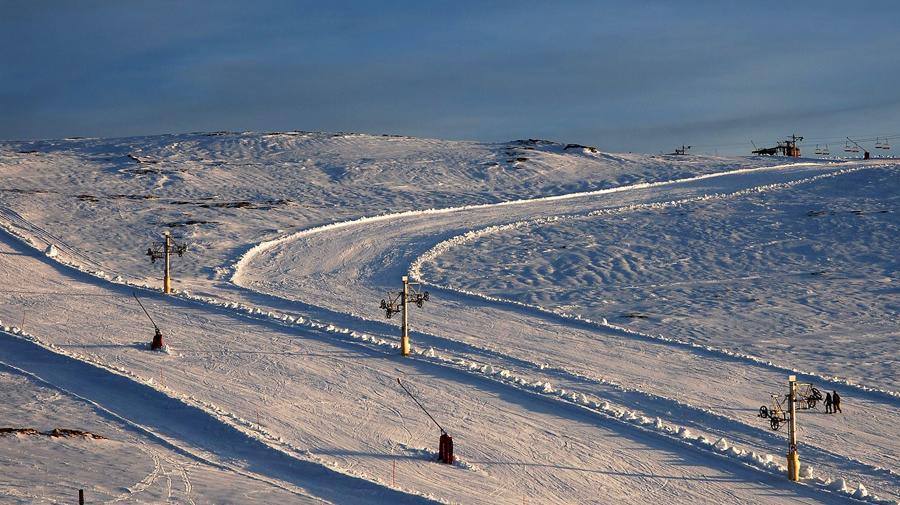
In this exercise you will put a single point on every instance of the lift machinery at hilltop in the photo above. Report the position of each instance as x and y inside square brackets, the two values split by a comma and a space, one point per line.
[787, 147]
[680, 151]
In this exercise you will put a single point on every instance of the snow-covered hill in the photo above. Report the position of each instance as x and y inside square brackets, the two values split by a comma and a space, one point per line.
[224, 191]
[804, 276]
[282, 371]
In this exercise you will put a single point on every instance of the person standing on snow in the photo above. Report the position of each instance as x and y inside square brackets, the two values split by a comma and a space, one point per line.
[836, 402]
[828, 403]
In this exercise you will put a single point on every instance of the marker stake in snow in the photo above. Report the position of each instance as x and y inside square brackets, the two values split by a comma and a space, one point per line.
[445, 443]
[398, 301]
[163, 250]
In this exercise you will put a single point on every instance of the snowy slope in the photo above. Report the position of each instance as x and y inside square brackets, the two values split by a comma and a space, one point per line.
[690, 382]
[224, 192]
[333, 402]
[282, 372]
[805, 276]
[125, 465]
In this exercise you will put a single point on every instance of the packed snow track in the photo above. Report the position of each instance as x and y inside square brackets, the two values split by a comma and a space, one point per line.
[347, 267]
[279, 382]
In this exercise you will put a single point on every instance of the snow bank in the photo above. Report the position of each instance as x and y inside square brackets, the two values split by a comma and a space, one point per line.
[604, 408]
[534, 385]
[243, 427]
[254, 251]
[415, 272]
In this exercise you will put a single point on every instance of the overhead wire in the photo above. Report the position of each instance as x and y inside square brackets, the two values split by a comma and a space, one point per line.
[59, 293]
[858, 138]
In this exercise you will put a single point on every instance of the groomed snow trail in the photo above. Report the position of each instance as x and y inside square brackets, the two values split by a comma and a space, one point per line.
[98, 466]
[333, 403]
[346, 267]
[267, 372]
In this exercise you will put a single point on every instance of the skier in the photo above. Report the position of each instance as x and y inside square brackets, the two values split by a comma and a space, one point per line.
[828, 403]
[836, 402]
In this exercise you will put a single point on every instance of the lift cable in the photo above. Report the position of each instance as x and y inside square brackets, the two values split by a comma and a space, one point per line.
[59, 293]
[420, 406]
[145, 312]
[860, 138]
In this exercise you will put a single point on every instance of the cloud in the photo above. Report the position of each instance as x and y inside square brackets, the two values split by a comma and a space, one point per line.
[639, 74]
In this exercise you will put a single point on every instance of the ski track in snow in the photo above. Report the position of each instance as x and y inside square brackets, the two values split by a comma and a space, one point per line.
[126, 419]
[879, 394]
[655, 425]
[415, 272]
[241, 264]
[270, 451]
[603, 408]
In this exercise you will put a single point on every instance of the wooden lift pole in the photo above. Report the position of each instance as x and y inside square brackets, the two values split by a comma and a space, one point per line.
[793, 457]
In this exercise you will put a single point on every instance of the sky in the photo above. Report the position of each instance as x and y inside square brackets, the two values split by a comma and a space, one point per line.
[642, 76]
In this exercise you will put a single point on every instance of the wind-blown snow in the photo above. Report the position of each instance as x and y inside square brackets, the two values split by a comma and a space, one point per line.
[802, 276]
[281, 370]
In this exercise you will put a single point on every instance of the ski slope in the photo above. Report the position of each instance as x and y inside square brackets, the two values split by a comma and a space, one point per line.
[282, 371]
[587, 355]
[816, 261]
[128, 464]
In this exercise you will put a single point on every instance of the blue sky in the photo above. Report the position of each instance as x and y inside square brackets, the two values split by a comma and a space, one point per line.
[631, 75]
